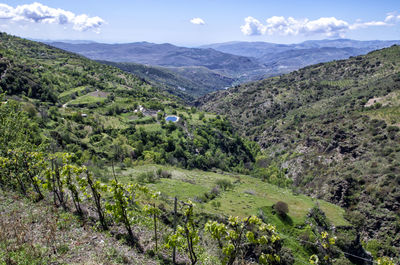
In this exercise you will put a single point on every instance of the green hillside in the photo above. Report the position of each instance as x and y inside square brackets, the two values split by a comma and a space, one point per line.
[102, 113]
[333, 129]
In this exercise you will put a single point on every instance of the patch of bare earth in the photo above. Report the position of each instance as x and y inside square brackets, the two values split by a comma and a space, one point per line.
[372, 101]
[389, 99]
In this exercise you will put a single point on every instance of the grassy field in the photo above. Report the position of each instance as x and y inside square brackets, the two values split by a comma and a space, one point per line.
[86, 99]
[154, 127]
[247, 196]
[72, 91]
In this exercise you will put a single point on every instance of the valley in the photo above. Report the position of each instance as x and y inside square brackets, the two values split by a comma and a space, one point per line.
[321, 142]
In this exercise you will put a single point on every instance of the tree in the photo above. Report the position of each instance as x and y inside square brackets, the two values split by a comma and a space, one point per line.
[121, 210]
[281, 208]
[186, 236]
[243, 234]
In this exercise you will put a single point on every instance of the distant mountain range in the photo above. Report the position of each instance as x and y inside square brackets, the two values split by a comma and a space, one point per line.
[262, 49]
[198, 71]
[284, 58]
[164, 55]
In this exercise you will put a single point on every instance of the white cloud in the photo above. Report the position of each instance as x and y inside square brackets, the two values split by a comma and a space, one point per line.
[197, 21]
[84, 22]
[368, 24]
[325, 26]
[392, 17]
[6, 11]
[328, 26]
[252, 27]
[283, 26]
[39, 13]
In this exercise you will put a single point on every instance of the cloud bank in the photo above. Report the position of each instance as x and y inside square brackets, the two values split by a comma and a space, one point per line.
[325, 26]
[197, 21]
[39, 13]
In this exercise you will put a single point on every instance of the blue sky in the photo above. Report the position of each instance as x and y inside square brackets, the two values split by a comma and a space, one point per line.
[194, 22]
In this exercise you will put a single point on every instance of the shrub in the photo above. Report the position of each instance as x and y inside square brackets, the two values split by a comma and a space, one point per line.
[165, 174]
[356, 218]
[128, 162]
[147, 177]
[216, 204]
[281, 208]
[393, 129]
[201, 115]
[224, 184]
[30, 109]
[215, 191]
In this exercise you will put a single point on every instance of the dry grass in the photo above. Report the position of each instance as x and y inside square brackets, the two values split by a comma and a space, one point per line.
[36, 233]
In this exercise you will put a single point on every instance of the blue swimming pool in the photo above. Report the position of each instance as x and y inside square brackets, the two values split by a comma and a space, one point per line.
[172, 118]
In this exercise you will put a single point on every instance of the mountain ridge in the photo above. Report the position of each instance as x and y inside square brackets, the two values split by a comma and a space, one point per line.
[228, 64]
[162, 55]
[185, 82]
[243, 48]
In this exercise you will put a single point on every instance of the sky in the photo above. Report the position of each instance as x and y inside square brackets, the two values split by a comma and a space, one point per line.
[198, 22]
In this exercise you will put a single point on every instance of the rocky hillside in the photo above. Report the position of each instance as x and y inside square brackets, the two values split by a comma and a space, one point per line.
[335, 127]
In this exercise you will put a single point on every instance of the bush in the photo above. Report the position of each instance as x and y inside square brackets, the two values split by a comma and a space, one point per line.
[147, 177]
[356, 218]
[286, 255]
[281, 208]
[31, 110]
[393, 129]
[216, 204]
[163, 174]
[215, 191]
[224, 184]
[201, 115]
